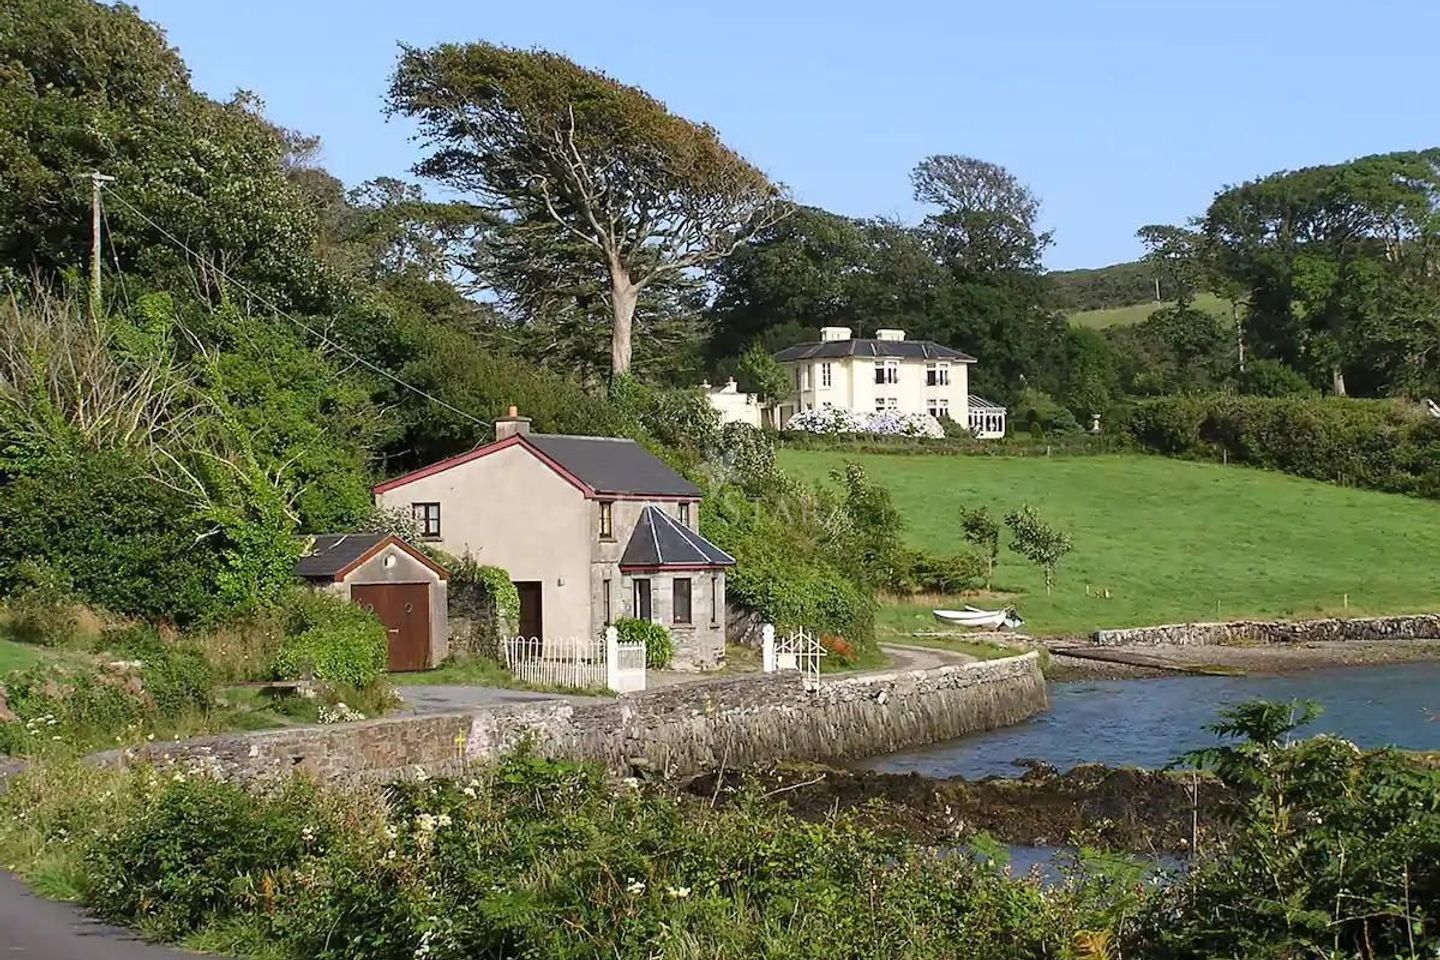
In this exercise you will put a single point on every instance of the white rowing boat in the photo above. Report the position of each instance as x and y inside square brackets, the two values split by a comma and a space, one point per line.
[971, 618]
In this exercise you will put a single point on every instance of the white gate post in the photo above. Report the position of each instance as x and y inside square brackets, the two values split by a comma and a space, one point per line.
[612, 658]
[767, 647]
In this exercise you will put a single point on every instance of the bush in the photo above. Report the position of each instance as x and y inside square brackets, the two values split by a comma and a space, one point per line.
[331, 640]
[659, 645]
[1364, 443]
[954, 573]
[122, 541]
[198, 849]
[1271, 378]
[1039, 414]
[96, 703]
[890, 423]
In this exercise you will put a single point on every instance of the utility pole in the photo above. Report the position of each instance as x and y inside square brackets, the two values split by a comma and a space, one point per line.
[96, 178]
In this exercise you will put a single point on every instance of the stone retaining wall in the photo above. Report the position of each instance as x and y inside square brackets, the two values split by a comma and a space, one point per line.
[678, 730]
[1259, 632]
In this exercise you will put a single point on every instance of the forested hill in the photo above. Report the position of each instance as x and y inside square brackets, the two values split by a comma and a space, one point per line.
[1101, 288]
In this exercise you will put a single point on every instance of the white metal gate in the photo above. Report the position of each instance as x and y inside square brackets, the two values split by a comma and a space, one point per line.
[797, 650]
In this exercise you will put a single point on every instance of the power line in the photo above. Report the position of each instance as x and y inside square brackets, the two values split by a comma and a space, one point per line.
[293, 319]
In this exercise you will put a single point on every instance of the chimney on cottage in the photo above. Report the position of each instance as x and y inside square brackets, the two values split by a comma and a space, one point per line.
[511, 424]
[889, 334]
[828, 334]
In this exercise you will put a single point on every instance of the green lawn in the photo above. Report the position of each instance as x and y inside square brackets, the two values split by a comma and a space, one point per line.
[16, 656]
[1136, 312]
[1169, 540]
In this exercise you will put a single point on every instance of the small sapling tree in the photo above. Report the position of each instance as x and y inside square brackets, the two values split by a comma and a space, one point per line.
[982, 531]
[1037, 541]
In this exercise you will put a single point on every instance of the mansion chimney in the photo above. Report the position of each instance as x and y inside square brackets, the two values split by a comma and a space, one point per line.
[828, 334]
[511, 424]
[889, 334]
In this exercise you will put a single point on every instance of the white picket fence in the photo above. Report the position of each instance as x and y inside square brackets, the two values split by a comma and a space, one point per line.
[581, 662]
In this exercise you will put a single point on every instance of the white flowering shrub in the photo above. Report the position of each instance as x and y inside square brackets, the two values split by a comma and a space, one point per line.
[339, 713]
[889, 423]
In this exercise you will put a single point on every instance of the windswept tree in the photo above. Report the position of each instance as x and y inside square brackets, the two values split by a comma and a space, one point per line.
[1037, 541]
[589, 179]
[986, 221]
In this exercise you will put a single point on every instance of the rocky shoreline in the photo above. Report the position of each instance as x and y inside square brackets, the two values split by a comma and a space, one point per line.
[1141, 811]
[1070, 661]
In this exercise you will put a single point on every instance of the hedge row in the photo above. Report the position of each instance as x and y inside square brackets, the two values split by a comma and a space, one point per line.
[1378, 444]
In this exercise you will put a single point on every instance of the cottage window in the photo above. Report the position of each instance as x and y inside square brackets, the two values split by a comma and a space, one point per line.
[680, 592]
[684, 513]
[804, 378]
[797, 378]
[825, 374]
[641, 601]
[427, 519]
[714, 598]
[607, 520]
[609, 618]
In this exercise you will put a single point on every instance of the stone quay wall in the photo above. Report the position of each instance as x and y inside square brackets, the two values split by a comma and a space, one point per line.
[672, 731]
[1261, 632]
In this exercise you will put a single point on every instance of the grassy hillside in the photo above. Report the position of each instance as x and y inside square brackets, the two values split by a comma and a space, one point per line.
[1170, 540]
[1136, 312]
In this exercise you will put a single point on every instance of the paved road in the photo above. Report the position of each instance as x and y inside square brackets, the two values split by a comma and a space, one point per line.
[438, 698]
[45, 930]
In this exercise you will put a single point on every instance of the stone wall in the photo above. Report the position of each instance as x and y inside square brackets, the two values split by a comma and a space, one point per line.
[677, 730]
[1259, 632]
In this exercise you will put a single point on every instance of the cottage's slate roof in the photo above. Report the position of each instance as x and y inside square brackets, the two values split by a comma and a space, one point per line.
[333, 552]
[613, 465]
[899, 349]
[660, 540]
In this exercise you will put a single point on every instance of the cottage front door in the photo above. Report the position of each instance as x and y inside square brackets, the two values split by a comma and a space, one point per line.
[531, 620]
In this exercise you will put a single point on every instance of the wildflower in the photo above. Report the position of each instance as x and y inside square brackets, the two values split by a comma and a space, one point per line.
[390, 832]
[635, 887]
[443, 820]
[677, 893]
[469, 792]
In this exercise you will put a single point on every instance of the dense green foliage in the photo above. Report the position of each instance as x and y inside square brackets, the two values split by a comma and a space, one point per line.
[1037, 541]
[1327, 848]
[1117, 285]
[331, 640]
[1377, 444]
[140, 682]
[1161, 540]
[1333, 851]
[659, 645]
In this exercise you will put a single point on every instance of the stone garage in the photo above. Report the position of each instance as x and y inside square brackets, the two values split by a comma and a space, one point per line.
[404, 588]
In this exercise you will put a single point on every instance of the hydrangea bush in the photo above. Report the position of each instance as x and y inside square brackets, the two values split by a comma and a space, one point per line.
[888, 423]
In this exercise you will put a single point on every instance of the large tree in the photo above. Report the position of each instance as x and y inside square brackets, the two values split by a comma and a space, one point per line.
[986, 218]
[1319, 252]
[579, 168]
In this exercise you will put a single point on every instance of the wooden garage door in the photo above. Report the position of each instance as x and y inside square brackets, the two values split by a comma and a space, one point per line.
[404, 608]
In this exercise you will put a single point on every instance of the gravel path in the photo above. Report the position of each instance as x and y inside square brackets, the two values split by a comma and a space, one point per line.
[448, 699]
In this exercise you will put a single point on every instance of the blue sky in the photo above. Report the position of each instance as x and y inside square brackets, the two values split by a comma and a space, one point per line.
[1117, 113]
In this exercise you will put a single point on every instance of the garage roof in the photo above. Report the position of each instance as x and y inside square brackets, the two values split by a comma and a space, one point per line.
[331, 556]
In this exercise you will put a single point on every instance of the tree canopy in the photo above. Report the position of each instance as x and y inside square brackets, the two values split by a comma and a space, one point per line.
[593, 184]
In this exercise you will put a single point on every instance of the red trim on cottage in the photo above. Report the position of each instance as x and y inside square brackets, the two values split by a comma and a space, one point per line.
[518, 439]
[370, 554]
[442, 465]
[668, 567]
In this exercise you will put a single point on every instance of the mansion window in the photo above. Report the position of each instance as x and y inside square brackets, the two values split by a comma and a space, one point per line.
[825, 375]
[607, 520]
[680, 608]
[427, 519]
[887, 371]
[886, 403]
[938, 407]
[937, 374]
